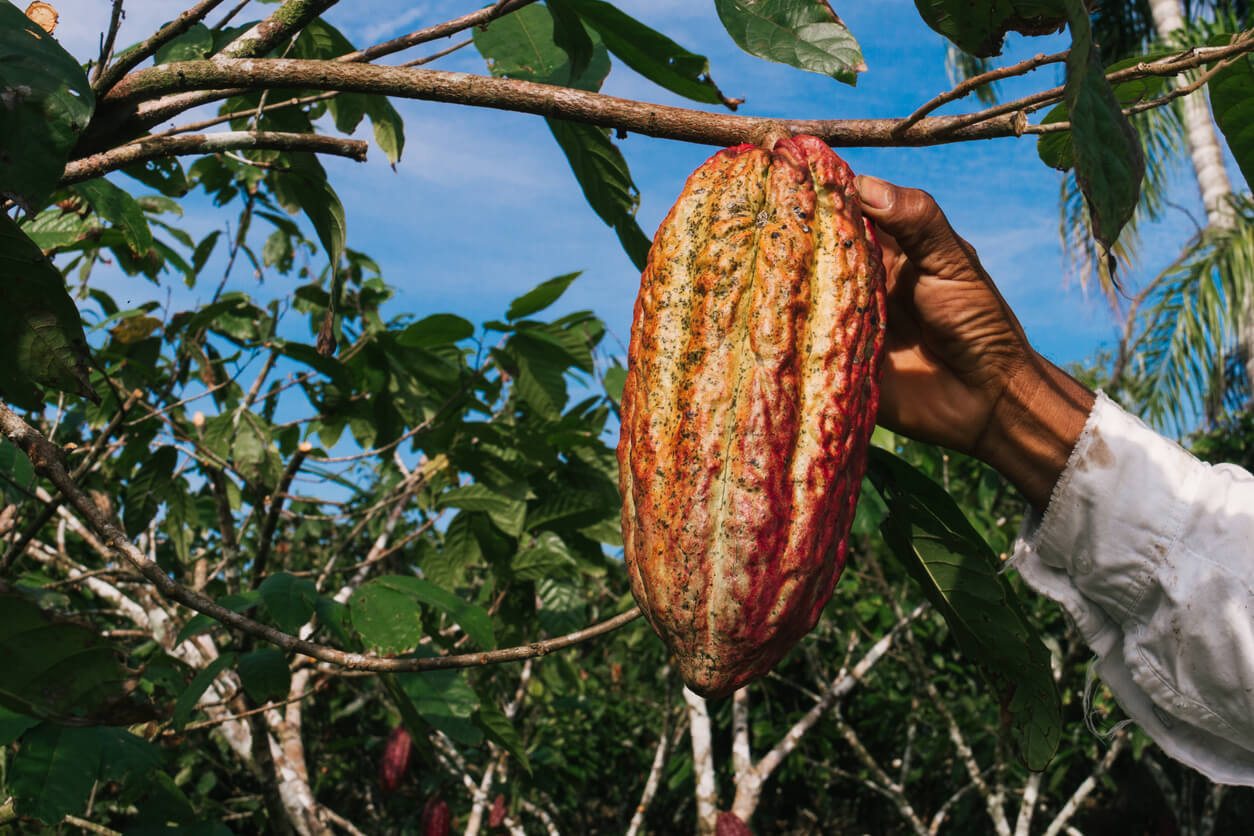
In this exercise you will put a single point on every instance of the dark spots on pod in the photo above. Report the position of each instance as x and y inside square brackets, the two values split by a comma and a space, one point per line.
[774, 236]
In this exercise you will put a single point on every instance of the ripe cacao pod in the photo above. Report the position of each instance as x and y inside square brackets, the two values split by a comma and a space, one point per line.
[751, 392]
[729, 824]
[496, 818]
[436, 818]
[397, 751]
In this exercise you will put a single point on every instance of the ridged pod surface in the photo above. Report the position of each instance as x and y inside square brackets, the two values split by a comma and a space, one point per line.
[751, 392]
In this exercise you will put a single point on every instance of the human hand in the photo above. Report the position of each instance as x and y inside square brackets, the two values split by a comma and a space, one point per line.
[958, 369]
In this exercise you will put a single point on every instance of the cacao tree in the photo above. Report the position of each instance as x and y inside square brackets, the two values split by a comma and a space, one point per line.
[289, 546]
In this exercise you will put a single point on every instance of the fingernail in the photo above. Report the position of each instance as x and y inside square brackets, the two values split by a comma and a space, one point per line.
[875, 192]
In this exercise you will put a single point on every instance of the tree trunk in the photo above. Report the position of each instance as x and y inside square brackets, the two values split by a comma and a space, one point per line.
[1208, 163]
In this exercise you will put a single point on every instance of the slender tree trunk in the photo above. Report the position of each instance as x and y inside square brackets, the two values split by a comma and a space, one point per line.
[1208, 163]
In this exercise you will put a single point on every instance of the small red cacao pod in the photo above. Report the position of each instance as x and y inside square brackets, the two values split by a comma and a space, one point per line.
[497, 817]
[396, 754]
[436, 819]
[751, 393]
[729, 824]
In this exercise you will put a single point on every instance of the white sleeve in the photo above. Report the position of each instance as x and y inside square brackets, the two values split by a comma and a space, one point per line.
[1152, 553]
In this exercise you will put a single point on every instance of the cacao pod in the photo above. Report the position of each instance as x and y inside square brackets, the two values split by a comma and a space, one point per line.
[729, 824]
[751, 392]
[397, 751]
[436, 819]
[496, 818]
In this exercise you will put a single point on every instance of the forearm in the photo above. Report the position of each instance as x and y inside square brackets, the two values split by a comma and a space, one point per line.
[1034, 427]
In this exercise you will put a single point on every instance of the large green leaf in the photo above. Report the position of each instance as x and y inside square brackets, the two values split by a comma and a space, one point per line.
[117, 207]
[186, 703]
[57, 669]
[1109, 163]
[146, 490]
[506, 512]
[1055, 149]
[265, 674]
[961, 576]
[16, 474]
[501, 731]
[1232, 100]
[978, 27]
[289, 599]
[521, 45]
[43, 335]
[652, 54]
[569, 35]
[801, 33]
[540, 296]
[393, 598]
[445, 699]
[46, 101]
[53, 772]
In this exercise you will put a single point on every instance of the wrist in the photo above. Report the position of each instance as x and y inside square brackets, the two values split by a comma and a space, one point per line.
[1034, 426]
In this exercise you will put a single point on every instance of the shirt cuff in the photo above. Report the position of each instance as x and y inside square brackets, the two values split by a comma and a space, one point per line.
[1100, 550]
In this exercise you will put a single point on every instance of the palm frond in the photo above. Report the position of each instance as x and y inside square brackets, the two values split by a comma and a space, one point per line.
[1185, 356]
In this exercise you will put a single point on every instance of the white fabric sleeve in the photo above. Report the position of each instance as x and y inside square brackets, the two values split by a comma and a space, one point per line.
[1151, 552]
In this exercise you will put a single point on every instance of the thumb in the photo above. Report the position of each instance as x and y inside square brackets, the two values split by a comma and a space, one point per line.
[913, 218]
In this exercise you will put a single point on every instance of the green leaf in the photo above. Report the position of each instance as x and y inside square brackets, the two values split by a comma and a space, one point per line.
[43, 335]
[1109, 163]
[540, 296]
[560, 606]
[520, 45]
[192, 45]
[650, 53]
[474, 620]
[289, 599]
[146, 490]
[606, 182]
[120, 209]
[570, 35]
[165, 174]
[16, 473]
[305, 187]
[241, 602]
[125, 756]
[498, 728]
[386, 617]
[548, 557]
[46, 102]
[961, 576]
[57, 669]
[1054, 149]
[507, 513]
[53, 772]
[435, 330]
[445, 699]
[801, 33]
[265, 674]
[186, 703]
[615, 379]
[978, 28]
[13, 725]
[389, 129]
[1232, 100]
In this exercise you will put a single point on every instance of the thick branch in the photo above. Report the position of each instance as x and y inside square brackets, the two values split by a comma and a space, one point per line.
[142, 150]
[136, 92]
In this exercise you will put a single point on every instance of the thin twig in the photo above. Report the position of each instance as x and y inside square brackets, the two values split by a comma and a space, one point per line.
[965, 87]
[205, 724]
[131, 58]
[431, 33]
[272, 513]
[106, 46]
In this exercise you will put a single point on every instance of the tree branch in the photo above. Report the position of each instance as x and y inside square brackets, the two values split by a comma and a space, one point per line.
[431, 33]
[965, 87]
[106, 46]
[274, 510]
[1086, 786]
[104, 78]
[705, 788]
[145, 149]
[47, 461]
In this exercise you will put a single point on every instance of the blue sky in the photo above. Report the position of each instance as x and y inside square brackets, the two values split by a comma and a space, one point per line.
[483, 205]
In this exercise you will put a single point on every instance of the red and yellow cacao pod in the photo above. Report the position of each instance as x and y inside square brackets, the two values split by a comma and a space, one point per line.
[436, 818]
[751, 392]
[397, 751]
